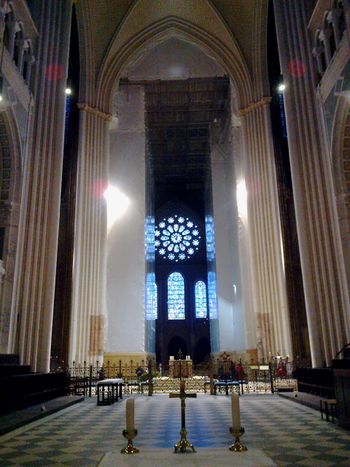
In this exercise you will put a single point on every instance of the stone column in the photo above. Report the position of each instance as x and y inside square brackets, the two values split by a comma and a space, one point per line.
[317, 52]
[325, 37]
[2, 30]
[39, 217]
[30, 64]
[336, 13]
[12, 25]
[324, 278]
[89, 266]
[264, 230]
[21, 44]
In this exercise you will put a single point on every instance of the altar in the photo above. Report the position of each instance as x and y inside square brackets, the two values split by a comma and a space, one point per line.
[180, 368]
[204, 457]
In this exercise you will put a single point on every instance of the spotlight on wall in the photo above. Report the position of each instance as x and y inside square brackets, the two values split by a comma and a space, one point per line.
[281, 87]
[117, 204]
[1, 89]
[242, 199]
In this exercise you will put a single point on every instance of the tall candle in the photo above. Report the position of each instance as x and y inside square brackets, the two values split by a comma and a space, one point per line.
[130, 411]
[236, 416]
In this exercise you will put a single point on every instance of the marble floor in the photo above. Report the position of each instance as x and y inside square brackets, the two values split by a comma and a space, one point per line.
[81, 435]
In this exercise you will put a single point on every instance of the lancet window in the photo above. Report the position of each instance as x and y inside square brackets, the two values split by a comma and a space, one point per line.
[200, 293]
[17, 41]
[329, 35]
[176, 296]
[151, 297]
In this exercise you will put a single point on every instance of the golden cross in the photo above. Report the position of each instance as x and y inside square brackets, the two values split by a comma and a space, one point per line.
[183, 443]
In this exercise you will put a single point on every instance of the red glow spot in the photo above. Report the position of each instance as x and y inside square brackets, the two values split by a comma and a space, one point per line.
[296, 68]
[99, 187]
[54, 72]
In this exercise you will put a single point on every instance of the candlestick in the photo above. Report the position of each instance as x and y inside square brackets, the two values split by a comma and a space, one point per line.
[237, 446]
[130, 448]
[236, 416]
[130, 431]
[130, 411]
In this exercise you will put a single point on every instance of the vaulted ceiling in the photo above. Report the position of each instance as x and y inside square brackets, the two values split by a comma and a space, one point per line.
[246, 20]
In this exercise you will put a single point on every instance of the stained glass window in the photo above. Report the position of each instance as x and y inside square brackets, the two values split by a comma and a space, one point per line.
[155, 302]
[177, 238]
[67, 121]
[210, 237]
[212, 297]
[176, 296]
[200, 293]
[149, 238]
[151, 297]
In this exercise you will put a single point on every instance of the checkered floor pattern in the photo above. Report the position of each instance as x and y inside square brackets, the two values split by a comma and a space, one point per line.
[80, 435]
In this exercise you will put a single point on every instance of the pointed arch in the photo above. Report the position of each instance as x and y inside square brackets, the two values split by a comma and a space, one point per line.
[87, 59]
[341, 173]
[132, 45]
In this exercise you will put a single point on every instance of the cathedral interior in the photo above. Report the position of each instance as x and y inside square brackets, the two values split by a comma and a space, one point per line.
[175, 184]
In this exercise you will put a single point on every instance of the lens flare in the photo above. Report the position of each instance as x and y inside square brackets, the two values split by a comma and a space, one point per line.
[296, 68]
[54, 72]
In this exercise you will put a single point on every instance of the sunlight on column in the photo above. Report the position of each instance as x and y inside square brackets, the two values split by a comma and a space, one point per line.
[242, 197]
[117, 205]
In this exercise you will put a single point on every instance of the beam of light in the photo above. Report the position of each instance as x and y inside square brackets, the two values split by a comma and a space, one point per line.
[117, 205]
[242, 198]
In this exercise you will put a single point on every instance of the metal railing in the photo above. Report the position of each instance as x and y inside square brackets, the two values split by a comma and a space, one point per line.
[148, 378]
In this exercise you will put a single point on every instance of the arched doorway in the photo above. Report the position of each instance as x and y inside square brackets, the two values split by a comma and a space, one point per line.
[201, 351]
[177, 345]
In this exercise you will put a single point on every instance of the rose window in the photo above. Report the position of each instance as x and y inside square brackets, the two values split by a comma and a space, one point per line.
[177, 238]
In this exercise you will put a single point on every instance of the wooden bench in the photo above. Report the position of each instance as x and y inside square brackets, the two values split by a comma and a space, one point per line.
[329, 408]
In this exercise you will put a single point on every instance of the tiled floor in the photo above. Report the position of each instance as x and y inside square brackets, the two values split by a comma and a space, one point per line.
[289, 433]
[18, 418]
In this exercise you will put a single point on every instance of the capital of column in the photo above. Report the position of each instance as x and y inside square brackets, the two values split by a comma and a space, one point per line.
[254, 105]
[94, 111]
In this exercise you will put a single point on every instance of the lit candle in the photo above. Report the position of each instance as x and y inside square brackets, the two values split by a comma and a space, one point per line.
[130, 410]
[236, 416]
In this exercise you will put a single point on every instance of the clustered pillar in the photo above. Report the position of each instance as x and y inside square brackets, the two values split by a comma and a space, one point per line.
[39, 217]
[266, 257]
[89, 273]
[324, 278]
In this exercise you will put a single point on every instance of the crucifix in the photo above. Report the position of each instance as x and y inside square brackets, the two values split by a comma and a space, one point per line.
[183, 443]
